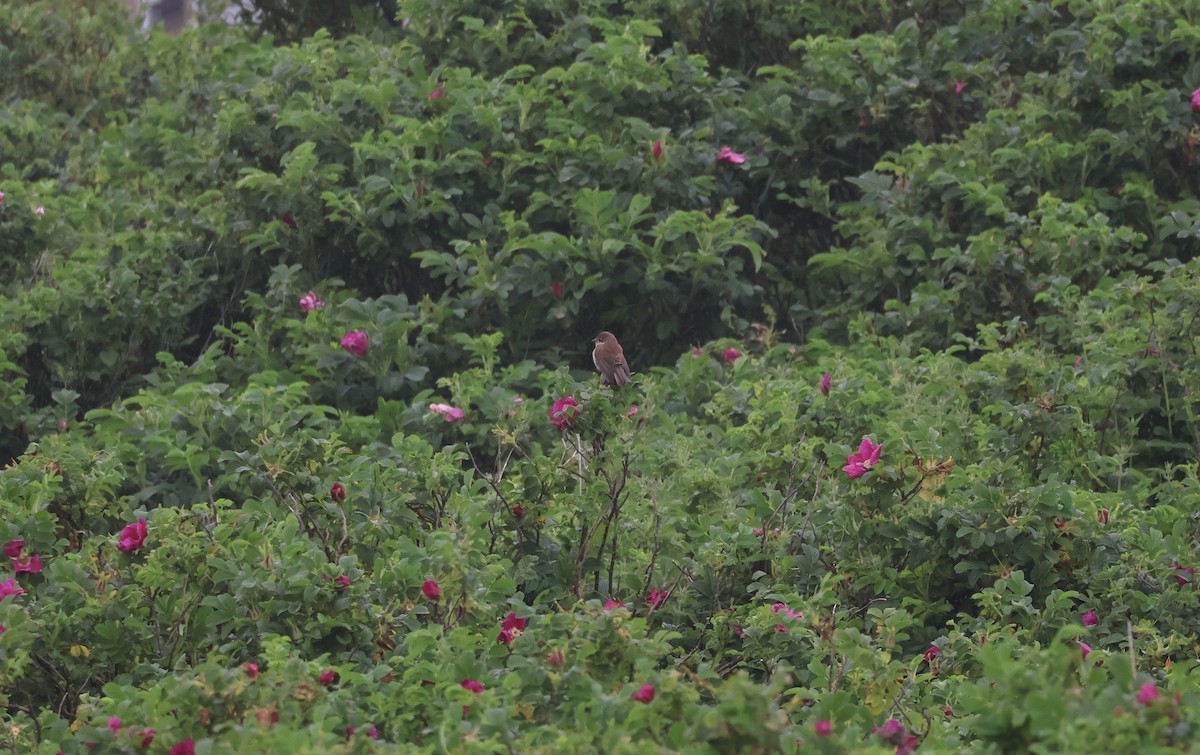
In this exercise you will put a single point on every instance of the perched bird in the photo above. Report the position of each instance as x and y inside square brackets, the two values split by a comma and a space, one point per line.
[610, 359]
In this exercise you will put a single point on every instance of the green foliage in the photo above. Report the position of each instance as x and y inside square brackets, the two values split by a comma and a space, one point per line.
[978, 221]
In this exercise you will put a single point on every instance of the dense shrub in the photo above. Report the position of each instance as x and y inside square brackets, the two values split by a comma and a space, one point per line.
[303, 452]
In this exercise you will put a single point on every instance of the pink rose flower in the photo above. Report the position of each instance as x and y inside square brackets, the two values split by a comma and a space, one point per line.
[960, 87]
[1084, 649]
[431, 590]
[327, 677]
[1195, 105]
[556, 288]
[309, 302]
[12, 549]
[472, 686]
[1147, 694]
[729, 157]
[30, 564]
[438, 93]
[132, 536]
[337, 492]
[251, 670]
[931, 654]
[823, 728]
[1090, 619]
[565, 412]
[657, 597]
[611, 604]
[356, 342]
[644, 695]
[114, 723]
[9, 587]
[449, 413]
[825, 384]
[656, 149]
[343, 582]
[186, 747]
[731, 355]
[866, 457]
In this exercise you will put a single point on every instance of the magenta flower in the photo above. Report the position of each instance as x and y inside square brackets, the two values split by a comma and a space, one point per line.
[290, 222]
[1195, 108]
[656, 148]
[512, 622]
[644, 695]
[632, 411]
[12, 549]
[1084, 649]
[960, 87]
[186, 747]
[438, 93]
[1090, 619]
[657, 597]
[2, 630]
[356, 342]
[327, 677]
[556, 288]
[697, 351]
[611, 604]
[790, 613]
[1, 197]
[251, 670]
[867, 456]
[1183, 574]
[309, 302]
[729, 157]
[343, 582]
[114, 723]
[781, 629]
[731, 355]
[893, 733]
[1103, 517]
[147, 736]
[565, 412]
[30, 564]
[1147, 694]
[132, 536]
[9, 587]
[337, 492]
[825, 384]
[449, 413]
[472, 685]
[823, 728]
[431, 590]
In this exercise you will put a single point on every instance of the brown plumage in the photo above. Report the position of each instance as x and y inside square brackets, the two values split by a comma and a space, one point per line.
[610, 359]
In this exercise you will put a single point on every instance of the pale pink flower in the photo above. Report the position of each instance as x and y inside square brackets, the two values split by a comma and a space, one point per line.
[1084, 649]
[309, 302]
[40, 211]
[632, 411]
[449, 413]
[960, 87]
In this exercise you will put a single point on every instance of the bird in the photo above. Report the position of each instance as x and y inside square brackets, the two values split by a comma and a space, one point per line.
[609, 359]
